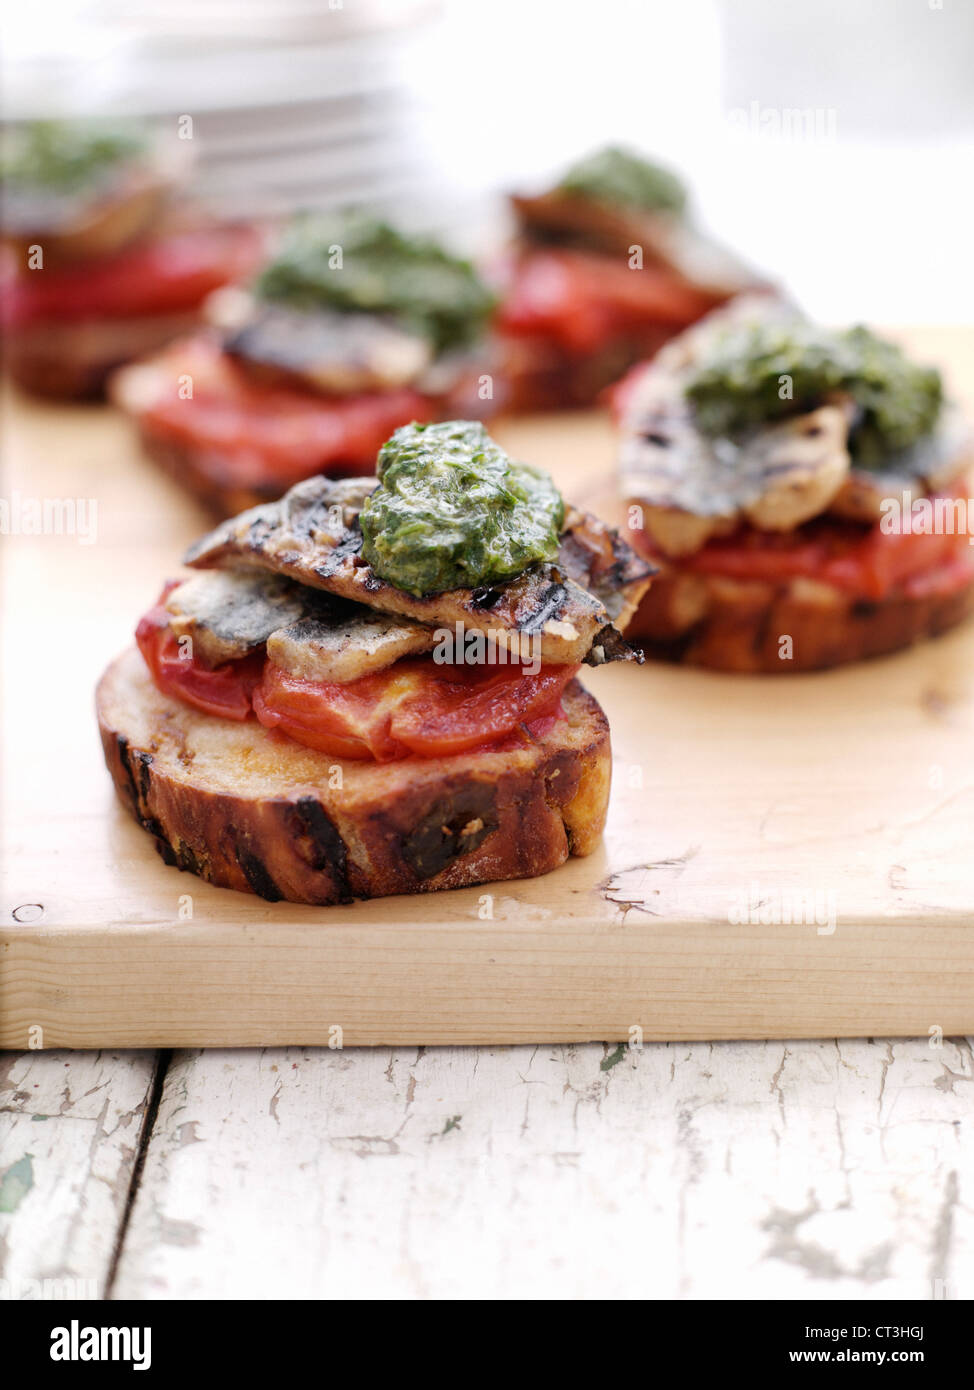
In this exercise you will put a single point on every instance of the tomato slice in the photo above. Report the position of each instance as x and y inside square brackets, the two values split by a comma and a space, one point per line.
[225, 690]
[861, 560]
[414, 708]
[259, 432]
[417, 707]
[581, 300]
[172, 273]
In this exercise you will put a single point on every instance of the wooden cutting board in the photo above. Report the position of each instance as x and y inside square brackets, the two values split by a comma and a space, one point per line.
[785, 857]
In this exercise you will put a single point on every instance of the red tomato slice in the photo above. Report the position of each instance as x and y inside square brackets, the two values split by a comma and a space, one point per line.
[225, 690]
[415, 707]
[581, 300]
[869, 563]
[259, 432]
[172, 273]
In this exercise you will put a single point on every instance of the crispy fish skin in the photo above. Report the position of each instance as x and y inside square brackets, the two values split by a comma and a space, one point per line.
[311, 535]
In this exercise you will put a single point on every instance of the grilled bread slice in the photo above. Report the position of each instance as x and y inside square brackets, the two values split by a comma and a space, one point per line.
[73, 360]
[249, 809]
[738, 625]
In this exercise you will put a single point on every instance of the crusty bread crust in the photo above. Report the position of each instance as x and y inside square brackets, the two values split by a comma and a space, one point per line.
[72, 361]
[537, 375]
[215, 482]
[249, 809]
[737, 625]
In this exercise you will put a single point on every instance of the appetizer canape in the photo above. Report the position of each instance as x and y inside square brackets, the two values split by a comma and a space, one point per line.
[803, 492]
[368, 687]
[352, 330]
[100, 263]
[606, 267]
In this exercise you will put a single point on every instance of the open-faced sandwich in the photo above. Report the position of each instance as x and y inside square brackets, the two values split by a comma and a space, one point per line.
[803, 492]
[101, 261]
[606, 267]
[368, 687]
[352, 330]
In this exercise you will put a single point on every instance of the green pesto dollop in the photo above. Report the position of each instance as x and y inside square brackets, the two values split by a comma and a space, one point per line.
[614, 175]
[357, 264]
[453, 511]
[753, 373]
[65, 156]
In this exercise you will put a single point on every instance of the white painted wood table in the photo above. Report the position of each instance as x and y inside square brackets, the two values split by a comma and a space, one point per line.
[690, 1170]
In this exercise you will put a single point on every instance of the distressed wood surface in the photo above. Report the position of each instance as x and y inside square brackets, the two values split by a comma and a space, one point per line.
[756, 1170]
[71, 1124]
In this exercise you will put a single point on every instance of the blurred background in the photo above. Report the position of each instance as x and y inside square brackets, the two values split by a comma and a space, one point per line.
[829, 141]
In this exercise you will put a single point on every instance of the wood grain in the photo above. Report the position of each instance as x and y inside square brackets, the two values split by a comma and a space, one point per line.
[854, 787]
[739, 1170]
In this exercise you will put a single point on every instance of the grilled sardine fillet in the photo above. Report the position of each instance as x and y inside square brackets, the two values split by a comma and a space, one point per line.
[340, 353]
[316, 649]
[312, 535]
[927, 467]
[692, 487]
[229, 614]
[562, 217]
[310, 633]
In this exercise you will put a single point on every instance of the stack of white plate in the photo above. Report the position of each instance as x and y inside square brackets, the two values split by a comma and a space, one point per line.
[294, 103]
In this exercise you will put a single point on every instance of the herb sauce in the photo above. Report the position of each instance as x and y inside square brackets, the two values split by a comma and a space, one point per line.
[615, 175]
[66, 156]
[356, 264]
[453, 511]
[738, 384]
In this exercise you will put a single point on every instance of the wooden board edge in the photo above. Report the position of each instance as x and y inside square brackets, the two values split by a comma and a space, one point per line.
[220, 985]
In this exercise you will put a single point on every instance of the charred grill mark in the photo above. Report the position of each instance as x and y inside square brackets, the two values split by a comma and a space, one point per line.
[187, 859]
[346, 549]
[454, 826]
[182, 857]
[325, 846]
[865, 608]
[763, 628]
[144, 761]
[547, 606]
[486, 598]
[123, 757]
[609, 645]
[139, 783]
[312, 517]
[256, 874]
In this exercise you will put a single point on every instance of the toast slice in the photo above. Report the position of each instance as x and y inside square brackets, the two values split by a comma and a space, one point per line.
[249, 809]
[738, 625]
[73, 360]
